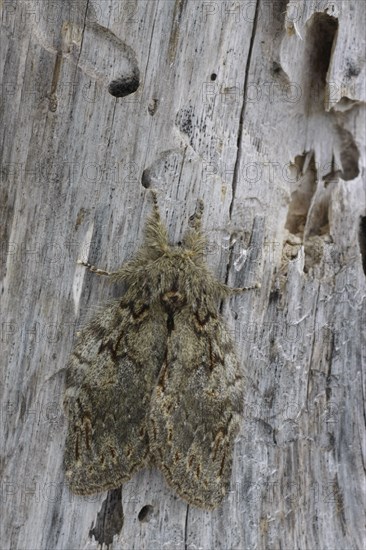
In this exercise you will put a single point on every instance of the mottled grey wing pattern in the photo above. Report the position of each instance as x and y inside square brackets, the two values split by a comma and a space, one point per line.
[195, 409]
[154, 378]
[111, 375]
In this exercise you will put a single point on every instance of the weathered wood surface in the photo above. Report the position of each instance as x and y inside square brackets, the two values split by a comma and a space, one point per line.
[258, 108]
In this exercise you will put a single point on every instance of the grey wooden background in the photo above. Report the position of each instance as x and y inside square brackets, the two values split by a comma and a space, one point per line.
[258, 108]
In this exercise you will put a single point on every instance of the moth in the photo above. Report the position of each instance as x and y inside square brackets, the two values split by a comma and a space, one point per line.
[153, 379]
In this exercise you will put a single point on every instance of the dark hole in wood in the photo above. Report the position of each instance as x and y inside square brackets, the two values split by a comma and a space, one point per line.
[322, 33]
[350, 155]
[276, 67]
[213, 76]
[304, 177]
[320, 38]
[109, 520]
[124, 85]
[362, 241]
[145, 513]
[146, 178]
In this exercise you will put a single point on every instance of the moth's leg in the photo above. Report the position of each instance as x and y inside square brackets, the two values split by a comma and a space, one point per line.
[226, 291]
[244, 288]
[96, 270]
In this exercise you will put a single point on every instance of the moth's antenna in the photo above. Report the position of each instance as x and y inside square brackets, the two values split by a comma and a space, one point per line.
[194, 238]
[156, 210]
[156, 235]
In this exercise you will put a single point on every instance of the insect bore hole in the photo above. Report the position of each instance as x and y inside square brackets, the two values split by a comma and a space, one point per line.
[145, 513]
[124, 85]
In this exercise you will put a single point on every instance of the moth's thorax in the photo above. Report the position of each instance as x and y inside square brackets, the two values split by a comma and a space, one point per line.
[175, 265]
[175, 280]
[179, 253]
[173, 299]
